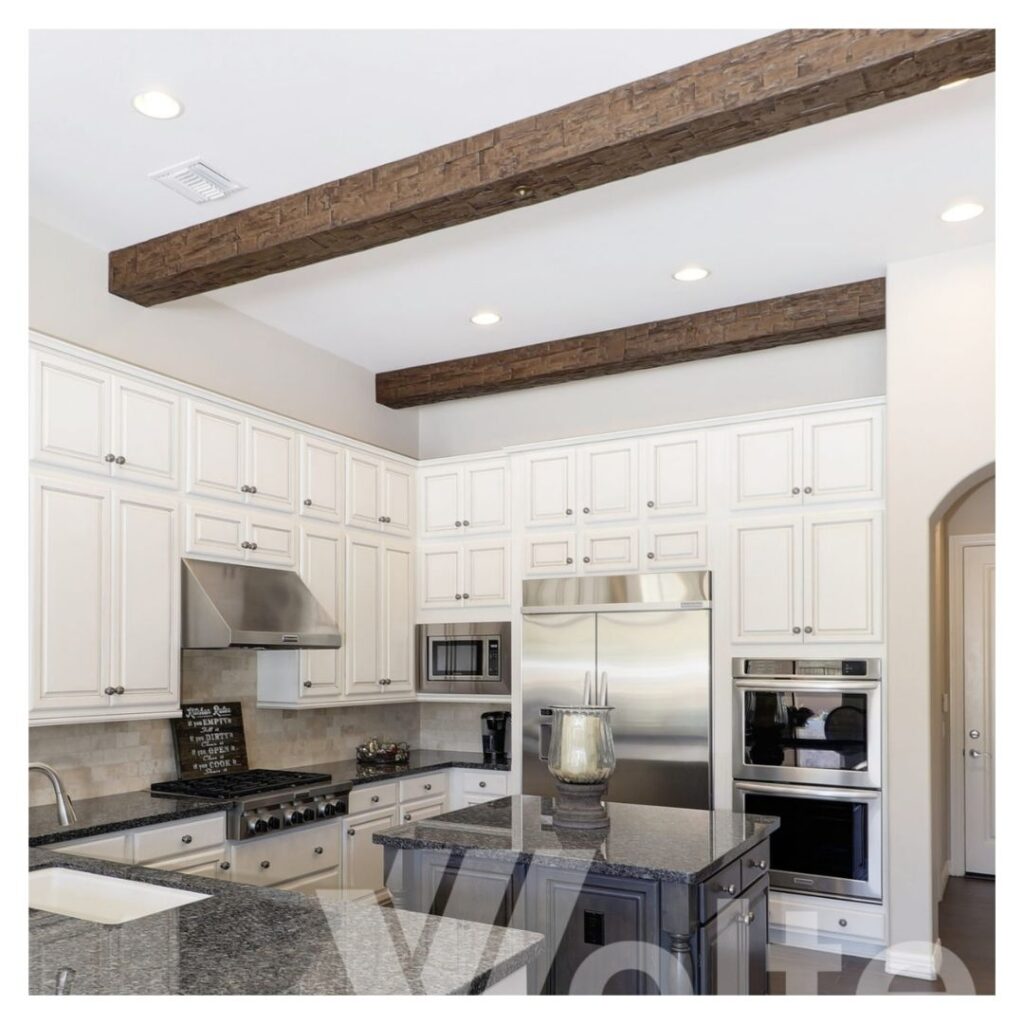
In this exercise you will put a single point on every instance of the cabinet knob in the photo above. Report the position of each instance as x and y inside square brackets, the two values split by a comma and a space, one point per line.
[458, 522]
[650, 554]
[252, 490]
[729, 890]
[759, 864]
[568, 511]
[225, 865]
[253, 545]
[374, 800]
[118, 690]
[186, 839]
[427, 785]
[264, 864]
[796, 490]
[308, 684]
[407, 817]
[808, 490]
[586, 511]
[465, 522]
[568, 561]
[458, 597]
[586, 558]
[245, 545]
[808, 629]
[380, 519]
[351, 832]
[109, 691]
[318, 850]
[307, 502]
[120, 460]
[796, 629]
[974, 734]
[748, 917]
[842, 922]
[650, 504]
[483, 785]
[387, 519]
[465, 597]
[109, 457]
[387, 682]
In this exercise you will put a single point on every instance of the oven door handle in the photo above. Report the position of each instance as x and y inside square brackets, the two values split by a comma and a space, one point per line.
[805, 685]
[853, 796]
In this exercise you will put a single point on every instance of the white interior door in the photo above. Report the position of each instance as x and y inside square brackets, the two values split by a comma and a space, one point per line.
[979, 575]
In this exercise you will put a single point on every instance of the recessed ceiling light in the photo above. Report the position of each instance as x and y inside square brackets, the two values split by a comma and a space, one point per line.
[485, 319]
[962, 211]
[955, 84]
[691, 274]
[157, 104]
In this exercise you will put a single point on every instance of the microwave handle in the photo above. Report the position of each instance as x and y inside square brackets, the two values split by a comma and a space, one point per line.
[544, 742]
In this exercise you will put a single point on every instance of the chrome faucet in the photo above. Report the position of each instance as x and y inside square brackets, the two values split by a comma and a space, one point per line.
[65, 808]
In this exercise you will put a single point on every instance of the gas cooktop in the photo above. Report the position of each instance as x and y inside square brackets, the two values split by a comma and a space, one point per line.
[233, 785]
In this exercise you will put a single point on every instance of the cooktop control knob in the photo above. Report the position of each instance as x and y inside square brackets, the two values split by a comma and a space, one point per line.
[340, 807]
[309, 814]
[259, 826]
[326, 810]
[296, 818]
[273, 822]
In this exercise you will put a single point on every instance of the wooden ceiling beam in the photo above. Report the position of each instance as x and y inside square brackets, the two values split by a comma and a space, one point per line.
[772, 85]
[769, 323]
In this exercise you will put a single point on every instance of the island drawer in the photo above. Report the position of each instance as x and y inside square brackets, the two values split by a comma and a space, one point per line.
[493, 783]
[755, 863]
[183, 836]
[371, 798]
[288, 856]
[116, 847]
[720, 889]
[420, 786]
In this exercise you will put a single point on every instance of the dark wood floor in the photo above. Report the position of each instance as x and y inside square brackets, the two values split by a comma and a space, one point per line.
[966, 928]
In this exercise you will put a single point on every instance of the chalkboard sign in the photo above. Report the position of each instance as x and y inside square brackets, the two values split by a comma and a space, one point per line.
[210, 739]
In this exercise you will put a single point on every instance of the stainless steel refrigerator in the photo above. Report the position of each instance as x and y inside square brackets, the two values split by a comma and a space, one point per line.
[649, 635]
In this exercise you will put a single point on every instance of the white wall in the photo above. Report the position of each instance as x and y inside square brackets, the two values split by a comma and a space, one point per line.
[820, 371]
[941, 430]
[202, 342]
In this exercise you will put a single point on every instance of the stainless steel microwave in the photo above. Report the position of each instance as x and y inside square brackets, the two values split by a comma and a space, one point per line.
[465, 658]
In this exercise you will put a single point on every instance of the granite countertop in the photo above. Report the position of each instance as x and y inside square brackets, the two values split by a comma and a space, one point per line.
[135, 810]
[251, 940]
[673, 844]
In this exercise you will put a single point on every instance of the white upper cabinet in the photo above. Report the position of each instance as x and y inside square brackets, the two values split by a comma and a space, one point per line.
[843, 456]
[216, 452]
[675, 546]
[237, 534]
[464, 499]
[441, 576]
[551, 488]
[460, 575]
[378, 494]
[321, 472]
[321, 565]
[816, 459]
[397, 618]
[767, 584]
[550, 554]
[675, 474]
[608, 477]
[146, 433]
[610, 550]
[765, 465]
[270, 465]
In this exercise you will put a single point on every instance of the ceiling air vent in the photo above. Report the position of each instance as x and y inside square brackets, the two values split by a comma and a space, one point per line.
[196, 181]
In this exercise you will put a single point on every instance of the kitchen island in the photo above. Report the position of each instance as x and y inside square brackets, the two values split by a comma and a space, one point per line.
[665, 900]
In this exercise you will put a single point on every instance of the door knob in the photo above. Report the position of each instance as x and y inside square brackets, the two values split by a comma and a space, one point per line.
[974, 734]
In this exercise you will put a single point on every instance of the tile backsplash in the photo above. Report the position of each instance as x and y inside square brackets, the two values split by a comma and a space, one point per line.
[117, 757]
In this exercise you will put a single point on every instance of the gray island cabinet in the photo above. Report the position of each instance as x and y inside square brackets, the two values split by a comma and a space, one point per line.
[665, 900]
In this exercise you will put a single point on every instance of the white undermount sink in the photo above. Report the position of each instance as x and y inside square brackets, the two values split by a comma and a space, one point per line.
[100, 898]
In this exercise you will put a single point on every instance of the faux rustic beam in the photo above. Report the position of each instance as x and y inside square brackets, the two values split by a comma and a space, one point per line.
[769, 86]
[769, 323]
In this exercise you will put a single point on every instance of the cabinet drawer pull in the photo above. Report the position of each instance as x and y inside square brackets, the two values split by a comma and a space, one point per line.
[186, 839]
[568, 511]
[119, 689]
[120, 460]
[380, 519]
[465, 522]
[586, 511]
[586, 559]
[465, 597]
[650, 554]
[407, 817]
[808, 490]
[264, 864]
[387, 519]
[568, 561]
[842, 922]
[318, 850]
[225, 865]
[458, 522]
[427, 785]
[458, 597]
[351, 832]
[483, 785]
[375, 799]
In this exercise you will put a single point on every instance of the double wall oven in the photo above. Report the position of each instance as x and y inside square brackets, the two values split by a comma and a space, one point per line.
[807, 749]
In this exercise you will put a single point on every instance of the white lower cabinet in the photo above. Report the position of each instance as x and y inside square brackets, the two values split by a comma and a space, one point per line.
[417, 810]
[808, 579]
[362, 862]
[286, 859]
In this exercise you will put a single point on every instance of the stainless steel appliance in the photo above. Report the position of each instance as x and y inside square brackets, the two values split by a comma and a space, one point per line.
[808, 721]
[264, 801]
[830, 841]
[465, 658]
[224, 604]
[494, 727]
[648, 637]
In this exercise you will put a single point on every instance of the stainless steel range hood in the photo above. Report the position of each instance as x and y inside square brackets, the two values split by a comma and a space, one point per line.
[229, 605]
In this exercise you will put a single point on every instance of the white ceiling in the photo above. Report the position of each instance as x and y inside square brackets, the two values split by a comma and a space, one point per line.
[284, 111]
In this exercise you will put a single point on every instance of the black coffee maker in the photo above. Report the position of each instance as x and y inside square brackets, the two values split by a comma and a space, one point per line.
[494, 733]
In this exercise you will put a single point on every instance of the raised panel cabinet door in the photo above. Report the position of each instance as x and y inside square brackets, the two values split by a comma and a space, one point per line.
[71, 594]
[417, 810]
[724, 942]
[146, 433]
[398, 618]
[272, 539]
[767, 601]
[321, 565]
[611, 550]
[550, 554]
[362, 491]
[766, 464]
[485, 573]
[551, 488]
[397, 498]
[843, 577]
[441, 500]
[216, 452]
[215, 530]
[321, 470]
[362, 862]
[441, 577]
[675, 475]
[270, 465]
[363, 590]
[676, 546]
[843, 456]
[608, 481]
[146, 605]
[70, 413]
[486, 502]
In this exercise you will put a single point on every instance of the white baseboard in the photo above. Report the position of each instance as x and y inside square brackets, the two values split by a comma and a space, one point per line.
[914, 960]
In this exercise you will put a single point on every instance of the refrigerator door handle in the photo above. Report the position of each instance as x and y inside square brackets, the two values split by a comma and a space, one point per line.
[545, 734]
[588, 696]
[602, 691]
